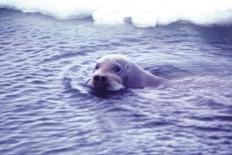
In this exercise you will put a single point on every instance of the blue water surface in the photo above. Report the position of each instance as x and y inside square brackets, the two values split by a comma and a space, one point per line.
[46, 109]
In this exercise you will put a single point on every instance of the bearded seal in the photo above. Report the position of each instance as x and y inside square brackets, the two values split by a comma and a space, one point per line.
[115, 72]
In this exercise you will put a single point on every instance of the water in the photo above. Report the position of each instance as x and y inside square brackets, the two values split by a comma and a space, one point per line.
[46, 109]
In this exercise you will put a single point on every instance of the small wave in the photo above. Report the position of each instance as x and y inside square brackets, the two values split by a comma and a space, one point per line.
[142, 13]
[72, 82]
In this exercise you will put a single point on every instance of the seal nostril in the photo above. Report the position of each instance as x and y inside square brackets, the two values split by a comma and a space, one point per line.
[103, 79]
[96, 78]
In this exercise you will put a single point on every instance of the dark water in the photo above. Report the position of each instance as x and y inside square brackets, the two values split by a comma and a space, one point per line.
[46, 109]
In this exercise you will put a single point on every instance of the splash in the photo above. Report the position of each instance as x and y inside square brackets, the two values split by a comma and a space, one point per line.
[142, 13]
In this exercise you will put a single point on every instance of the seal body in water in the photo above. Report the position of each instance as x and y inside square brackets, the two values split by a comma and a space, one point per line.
[115, 72]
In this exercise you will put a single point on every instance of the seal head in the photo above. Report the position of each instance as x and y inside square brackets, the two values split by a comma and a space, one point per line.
[110, 73]
[116, 72]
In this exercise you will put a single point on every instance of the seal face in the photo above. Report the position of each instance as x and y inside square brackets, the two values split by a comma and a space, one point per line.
[110, 73]
[116, 72]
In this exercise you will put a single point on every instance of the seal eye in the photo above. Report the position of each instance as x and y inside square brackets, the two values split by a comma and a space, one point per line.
[116, 68]
[97, 66]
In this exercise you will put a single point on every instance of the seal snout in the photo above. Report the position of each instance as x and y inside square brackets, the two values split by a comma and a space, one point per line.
[100, 78]
[108, 82]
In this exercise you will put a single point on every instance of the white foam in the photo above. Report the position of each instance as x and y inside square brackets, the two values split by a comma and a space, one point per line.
[143, 13]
